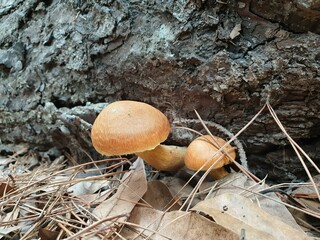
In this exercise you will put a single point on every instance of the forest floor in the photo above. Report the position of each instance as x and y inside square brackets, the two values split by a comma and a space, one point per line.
[120, 198]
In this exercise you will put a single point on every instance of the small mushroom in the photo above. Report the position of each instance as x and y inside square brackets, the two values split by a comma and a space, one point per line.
[126, 127]
[203, 151]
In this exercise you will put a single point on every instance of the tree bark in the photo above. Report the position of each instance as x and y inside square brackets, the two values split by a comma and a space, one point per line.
[62, 61]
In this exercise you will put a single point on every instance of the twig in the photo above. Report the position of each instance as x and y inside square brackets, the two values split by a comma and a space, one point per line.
[296, 148]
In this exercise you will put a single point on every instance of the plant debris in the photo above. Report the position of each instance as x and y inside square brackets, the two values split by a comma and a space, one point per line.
[116, 199]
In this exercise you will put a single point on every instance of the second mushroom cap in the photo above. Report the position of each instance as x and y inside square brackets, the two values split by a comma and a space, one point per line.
[204, 150]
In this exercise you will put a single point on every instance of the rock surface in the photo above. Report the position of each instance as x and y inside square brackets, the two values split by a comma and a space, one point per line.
[61, 61]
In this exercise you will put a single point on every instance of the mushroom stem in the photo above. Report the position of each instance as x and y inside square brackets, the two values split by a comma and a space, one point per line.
[218, 173]
[164, 157]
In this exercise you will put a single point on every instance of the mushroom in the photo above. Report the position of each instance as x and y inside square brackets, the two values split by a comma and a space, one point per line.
[203, 151]
[126, 127]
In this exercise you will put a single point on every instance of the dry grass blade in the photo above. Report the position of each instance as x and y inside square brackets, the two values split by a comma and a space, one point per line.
[190, 198]
[132, 187]
[96, 203]
[172, 225]
[245, 171]
[233, 138]
[240, 149]
[187, 128]
[44, 198]
[297, 150]
[306, 211]
[237, 212]
[47, 174]
[5, 188]
[86, 230]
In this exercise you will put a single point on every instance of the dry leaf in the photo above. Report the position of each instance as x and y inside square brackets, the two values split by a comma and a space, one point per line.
[4, 161]
[238, 182]
[235, 31]
[88, 187]
[242, 212]
[307, 191]
[131, 189]
[173, 225]
[6, 230]
[46, 234]
[176, 187]
[96, 198]
[159, 197]
[306, 196]
[10, 216]
[4, 189]
[235, 224]
[310, 222]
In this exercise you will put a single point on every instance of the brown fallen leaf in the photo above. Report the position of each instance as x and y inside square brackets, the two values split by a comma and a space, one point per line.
[306, 196]
[236, 225]
[307, 190]
[159, 197]
[131, 189]
[239, 183]
[236, 212]
[4, 189]
[309, 223]
[46, 234]
[147, 222]
[177, 187]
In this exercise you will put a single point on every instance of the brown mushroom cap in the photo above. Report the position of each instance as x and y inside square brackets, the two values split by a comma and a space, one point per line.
[203, 148]
[126, 127]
